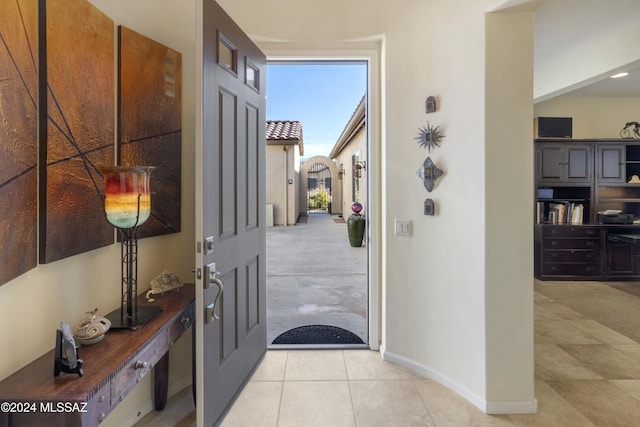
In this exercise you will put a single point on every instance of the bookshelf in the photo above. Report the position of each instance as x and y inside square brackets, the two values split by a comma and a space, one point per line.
[576, 179]
[573, 199]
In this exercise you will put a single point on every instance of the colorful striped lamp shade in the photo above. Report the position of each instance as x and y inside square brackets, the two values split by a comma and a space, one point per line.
[127, 194]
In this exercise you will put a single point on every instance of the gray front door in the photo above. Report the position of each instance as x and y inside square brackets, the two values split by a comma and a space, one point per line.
[232, 244]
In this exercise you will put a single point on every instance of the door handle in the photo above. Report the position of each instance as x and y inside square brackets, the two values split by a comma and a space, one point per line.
[210, 310]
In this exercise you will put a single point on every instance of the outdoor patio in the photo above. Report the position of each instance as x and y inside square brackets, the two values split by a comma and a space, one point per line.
[314, 277]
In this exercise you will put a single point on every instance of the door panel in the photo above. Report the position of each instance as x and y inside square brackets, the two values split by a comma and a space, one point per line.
[232, 213]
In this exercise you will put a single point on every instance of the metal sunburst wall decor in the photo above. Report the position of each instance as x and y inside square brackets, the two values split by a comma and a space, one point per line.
[429, 137]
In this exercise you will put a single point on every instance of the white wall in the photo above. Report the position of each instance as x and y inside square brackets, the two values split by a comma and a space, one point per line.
[33, 305]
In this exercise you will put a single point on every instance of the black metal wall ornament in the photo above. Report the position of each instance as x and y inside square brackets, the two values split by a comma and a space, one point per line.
[430, 104]
[429, 173]
[429, 207]
[429, 137]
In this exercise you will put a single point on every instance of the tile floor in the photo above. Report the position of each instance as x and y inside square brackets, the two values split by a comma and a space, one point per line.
[587, 374]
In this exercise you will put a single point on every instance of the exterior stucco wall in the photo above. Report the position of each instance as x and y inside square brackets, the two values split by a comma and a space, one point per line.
[282, 165]
[357, 146]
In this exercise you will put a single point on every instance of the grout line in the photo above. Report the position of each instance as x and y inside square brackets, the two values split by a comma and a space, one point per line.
[286, 359]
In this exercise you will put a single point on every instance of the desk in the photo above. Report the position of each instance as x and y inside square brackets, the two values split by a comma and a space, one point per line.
[112, 368]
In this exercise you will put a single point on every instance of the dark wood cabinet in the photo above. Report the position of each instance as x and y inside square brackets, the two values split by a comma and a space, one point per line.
[623, 253]
[611, 164]
[562, 163]
[597, 175]
[567, 251]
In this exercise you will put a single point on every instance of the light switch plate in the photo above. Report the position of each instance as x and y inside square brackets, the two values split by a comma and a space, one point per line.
[403, 227]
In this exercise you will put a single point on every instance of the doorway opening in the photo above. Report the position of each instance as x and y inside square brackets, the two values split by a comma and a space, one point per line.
[317, 282]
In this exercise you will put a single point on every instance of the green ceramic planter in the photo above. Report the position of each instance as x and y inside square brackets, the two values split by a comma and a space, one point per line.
[355, 228]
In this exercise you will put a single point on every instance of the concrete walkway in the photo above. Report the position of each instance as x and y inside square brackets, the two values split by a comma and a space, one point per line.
[314, 277]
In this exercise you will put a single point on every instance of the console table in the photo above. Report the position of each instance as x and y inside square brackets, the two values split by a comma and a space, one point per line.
[112, 368]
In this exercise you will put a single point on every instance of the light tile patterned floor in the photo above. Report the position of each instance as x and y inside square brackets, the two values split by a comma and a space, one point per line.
[587, 374]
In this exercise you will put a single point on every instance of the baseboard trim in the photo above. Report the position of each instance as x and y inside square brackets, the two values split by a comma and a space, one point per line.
[516, 407]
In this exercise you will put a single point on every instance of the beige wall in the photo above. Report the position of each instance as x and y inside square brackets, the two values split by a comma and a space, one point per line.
[283, 163]
[358, 146]
[592, 117]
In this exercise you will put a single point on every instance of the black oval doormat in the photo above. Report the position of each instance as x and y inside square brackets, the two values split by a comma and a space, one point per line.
[317, 334]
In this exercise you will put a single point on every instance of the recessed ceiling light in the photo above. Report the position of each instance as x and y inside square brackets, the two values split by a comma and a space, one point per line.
[617, 76]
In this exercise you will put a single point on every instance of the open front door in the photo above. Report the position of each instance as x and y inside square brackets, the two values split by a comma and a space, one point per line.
[231, 329]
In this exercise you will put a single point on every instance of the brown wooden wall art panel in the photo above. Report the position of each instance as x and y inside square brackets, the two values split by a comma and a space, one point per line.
[18, 137]
[150, 123]
[79, 112]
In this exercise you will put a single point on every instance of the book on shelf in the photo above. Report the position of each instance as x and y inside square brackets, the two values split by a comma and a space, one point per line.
[561, 213]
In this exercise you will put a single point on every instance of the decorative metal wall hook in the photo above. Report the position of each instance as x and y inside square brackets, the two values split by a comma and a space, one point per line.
[429, 173]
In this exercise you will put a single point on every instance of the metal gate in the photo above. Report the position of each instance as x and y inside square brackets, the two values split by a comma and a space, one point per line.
[319, 189]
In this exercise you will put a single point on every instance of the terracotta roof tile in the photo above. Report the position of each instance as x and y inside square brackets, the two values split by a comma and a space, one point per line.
[284, 130]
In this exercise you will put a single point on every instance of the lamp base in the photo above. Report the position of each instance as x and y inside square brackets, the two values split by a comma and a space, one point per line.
[142, 316]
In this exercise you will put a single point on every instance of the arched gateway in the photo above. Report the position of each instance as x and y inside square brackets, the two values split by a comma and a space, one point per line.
[317, 192]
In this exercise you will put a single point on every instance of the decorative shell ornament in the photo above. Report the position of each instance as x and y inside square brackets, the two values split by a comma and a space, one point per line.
[91, 329]
[429, 137]
[165, 282]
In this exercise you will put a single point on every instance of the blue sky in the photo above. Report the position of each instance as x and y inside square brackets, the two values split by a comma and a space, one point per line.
[320, 96]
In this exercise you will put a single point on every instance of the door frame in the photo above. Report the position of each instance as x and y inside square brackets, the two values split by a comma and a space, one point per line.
[369, 52]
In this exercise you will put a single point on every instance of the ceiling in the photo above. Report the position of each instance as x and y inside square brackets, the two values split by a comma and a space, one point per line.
[625, 87]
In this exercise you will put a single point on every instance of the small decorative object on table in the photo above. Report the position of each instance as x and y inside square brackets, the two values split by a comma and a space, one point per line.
[165, 282]
[356, 226]
[66, 355]
[91, 329]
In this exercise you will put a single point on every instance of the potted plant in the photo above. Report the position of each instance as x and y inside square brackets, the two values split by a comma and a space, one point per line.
[356, 226]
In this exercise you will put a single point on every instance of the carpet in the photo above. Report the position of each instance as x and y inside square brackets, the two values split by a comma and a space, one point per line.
[317, 334]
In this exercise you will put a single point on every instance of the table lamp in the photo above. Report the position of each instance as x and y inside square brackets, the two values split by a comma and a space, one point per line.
[127, 205]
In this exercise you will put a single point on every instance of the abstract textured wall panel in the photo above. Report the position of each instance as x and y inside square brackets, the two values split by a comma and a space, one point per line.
[150, 122]
[78, 80]
[18, 137]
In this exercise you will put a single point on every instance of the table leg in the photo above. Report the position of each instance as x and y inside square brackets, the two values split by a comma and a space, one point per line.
[161, 382]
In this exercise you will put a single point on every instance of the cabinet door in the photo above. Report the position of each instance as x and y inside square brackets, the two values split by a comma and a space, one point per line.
[611, 163]
[578, 164]
[550, 163]
[620, 258]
